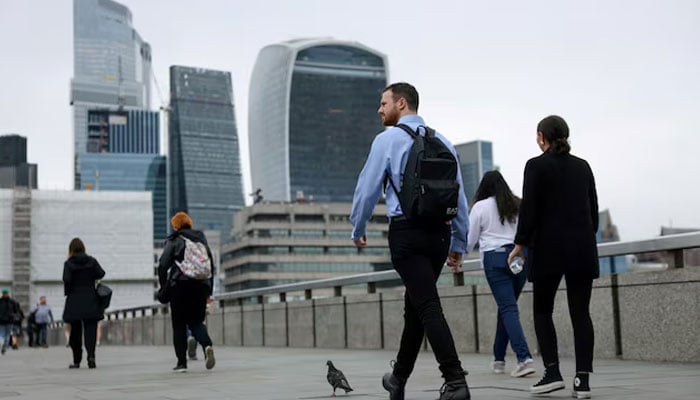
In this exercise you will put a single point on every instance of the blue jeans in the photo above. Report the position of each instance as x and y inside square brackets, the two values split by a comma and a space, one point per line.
[41, 337]
[5, 330]
[506, 289]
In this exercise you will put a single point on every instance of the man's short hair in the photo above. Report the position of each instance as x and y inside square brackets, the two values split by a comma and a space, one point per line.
[405, 90]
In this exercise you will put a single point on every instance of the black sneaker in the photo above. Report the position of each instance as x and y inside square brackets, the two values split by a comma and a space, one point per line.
[74, 366]
[91, 363]
[192, 348]
[180, 368]
[581, 388]
[209, 355]
[395, 386]
[550, 382]
[455, 390]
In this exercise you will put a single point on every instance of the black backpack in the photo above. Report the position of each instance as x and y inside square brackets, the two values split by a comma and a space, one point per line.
[429, 190]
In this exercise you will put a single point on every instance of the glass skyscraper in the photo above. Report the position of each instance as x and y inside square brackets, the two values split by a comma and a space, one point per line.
[116, 136]
[313, 116]
[475, 159]
[133, 172]
[204, 173]
[133, 131]
[112, 66]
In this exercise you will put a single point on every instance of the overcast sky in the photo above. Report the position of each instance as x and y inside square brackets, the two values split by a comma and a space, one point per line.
[624, 74]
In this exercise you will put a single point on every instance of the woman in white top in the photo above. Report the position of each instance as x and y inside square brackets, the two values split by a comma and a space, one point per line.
[492, 223]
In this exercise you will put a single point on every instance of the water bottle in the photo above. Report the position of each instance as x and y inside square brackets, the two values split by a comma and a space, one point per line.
[516, 266]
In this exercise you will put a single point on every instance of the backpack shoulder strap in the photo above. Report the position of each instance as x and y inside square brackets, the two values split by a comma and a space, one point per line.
[407, 129]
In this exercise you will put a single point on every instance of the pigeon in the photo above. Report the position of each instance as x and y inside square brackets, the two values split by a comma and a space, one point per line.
[337, 379]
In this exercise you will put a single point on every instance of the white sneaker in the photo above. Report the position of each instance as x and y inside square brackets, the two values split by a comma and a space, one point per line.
[499, 367]
[524, 368]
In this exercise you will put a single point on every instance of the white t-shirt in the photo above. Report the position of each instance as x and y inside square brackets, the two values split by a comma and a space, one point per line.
[485, 227]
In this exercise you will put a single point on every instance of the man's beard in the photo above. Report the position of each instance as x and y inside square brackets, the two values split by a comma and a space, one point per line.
[390, 120]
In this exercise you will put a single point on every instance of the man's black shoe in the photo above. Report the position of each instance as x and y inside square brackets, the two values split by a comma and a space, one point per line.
[455, 390]
[395, 386]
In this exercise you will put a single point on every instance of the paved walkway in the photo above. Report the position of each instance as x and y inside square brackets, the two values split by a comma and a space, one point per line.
[272, 374]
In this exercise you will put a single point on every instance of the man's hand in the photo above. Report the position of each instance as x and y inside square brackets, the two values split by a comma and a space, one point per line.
[361, 242]
[454, 261]
[516, 252]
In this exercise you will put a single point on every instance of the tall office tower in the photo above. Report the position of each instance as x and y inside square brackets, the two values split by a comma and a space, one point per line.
[14, 169]
[124, 154]
[475, 159]
[112, 67]
[313, 116]
[204, 174]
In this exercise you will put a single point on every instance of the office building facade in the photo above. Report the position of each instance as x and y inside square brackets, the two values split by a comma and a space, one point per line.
[130, 172]
[112, 67]
[312, 117]
[204, 173]
[36, 227]
[278, 243]
[114, 131]
[15, 171]
[475, 159]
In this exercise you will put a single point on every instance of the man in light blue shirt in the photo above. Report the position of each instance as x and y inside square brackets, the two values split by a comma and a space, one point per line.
[418, 250]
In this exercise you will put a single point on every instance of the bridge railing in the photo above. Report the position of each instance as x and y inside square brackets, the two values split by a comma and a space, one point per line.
[629, 310]
[673, 245]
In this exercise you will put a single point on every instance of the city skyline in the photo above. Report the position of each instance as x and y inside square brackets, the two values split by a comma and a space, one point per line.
[627, 87]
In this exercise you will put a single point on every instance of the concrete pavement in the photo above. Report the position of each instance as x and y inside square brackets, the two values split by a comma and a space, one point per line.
[143, 372]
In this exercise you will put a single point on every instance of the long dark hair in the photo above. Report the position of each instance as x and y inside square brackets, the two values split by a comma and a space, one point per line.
[76, 247]
[493, 184]
[556, 132]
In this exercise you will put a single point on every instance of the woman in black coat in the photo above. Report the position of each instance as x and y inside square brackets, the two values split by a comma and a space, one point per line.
[83, 309]
[558, 222]
[187, 295]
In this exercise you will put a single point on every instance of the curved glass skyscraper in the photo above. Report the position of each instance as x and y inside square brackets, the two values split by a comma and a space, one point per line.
[313, 116]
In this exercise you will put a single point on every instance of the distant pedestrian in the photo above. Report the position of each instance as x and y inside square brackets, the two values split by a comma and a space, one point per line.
[83, 309]
[558, 221]
[42, 317]
[16, 331]
[186, 276]
[31, 330]
[421, 234]
[9, 312]
[492, 223]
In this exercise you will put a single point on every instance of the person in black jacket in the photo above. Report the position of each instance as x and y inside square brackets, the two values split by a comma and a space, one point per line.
[82, 309]
[187, 295]
[9, 313]
[558, 221]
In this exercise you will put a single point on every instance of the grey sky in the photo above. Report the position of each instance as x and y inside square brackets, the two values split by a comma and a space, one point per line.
[624, 74]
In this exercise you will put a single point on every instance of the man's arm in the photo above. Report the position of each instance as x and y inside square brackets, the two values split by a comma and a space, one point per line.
[368, 190]
[460, 223]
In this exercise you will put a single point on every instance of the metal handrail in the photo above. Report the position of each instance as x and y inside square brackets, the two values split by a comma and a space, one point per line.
[676, 242]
